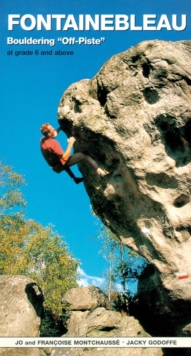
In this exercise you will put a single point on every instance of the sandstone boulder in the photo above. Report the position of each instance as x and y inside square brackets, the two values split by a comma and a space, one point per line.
[23, 352]
[21, 305]
[75, 317]
[87, 351]
[85, 298]
[134, 119]
[106, 323]
[161, 312]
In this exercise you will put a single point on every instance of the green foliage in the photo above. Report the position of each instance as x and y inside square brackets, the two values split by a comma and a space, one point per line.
[29, 249]
[124, 264]
[120, 302]
[51, 325]
[10, 195]
[46, 259]
[110, 244]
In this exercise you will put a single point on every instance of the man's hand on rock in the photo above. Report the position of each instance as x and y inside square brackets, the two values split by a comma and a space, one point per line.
[71, 140]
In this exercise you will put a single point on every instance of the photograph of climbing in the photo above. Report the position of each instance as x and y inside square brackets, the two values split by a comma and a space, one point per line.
[95, 178]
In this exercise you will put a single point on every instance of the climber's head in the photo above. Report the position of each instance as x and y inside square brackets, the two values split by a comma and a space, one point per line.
[48, 131]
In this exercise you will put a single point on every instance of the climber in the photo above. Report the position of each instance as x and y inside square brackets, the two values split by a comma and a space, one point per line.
[59, 160]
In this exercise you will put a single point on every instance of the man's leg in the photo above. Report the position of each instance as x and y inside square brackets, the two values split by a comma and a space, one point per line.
[59, 169]
[71, 174]
[78, 157]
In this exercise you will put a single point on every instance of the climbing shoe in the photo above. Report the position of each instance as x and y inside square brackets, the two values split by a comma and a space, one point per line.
[102, 172]
[78, 180]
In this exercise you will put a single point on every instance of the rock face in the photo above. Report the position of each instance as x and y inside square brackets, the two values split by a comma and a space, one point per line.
[20, 307]
[134, 119]
[87, 351]
[81, 301]
[85, 298]
[20, 295]
[100, 322]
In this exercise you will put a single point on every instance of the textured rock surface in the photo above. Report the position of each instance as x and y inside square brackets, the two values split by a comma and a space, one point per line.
[85, 298]
[100, 322]
[134, 119]
[161, 312]
[109, 352]
[106, 323]
[75, 318]
[23, 352]
[87, 351]
[20, 308]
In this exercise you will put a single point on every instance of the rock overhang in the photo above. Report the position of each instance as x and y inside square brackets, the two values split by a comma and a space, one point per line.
[134, 119]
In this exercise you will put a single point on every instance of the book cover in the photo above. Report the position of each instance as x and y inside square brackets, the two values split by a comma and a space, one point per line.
[115, 76]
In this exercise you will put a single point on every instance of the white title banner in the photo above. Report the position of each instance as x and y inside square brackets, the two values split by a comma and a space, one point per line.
[162, 342]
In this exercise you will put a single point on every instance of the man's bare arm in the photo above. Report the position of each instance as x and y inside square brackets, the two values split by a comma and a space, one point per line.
[66, 154]
[56, 132]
